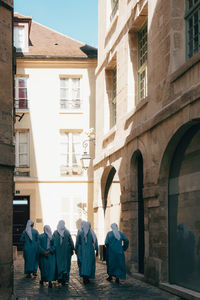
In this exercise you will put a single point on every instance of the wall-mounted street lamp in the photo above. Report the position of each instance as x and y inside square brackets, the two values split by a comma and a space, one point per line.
[86, 158]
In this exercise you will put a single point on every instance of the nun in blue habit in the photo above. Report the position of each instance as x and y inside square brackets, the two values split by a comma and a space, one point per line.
[116, 243]
[86, 244]
[64, 249]
[47, 261]
[78, 247]
[29, 238]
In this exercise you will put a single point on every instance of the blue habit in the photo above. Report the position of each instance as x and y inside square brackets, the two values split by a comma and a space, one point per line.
[64, 252]
[115, 258]
[30, 251]
[47, 264]
[86, 254]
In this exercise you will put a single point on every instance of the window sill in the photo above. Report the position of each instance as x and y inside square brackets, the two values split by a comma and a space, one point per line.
[108, 137]
[185, 67]
[112, 24]
[71, 112]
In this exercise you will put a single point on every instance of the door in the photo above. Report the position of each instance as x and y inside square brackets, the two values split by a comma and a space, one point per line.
[20, 216]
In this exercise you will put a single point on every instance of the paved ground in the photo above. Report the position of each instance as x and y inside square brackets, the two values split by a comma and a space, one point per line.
[100, 288]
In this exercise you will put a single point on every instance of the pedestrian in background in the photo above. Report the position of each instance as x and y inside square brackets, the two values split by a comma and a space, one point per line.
[29, 238]
[116, 243]
[86, 245]
[47, 262]
[78, 246]
[64, 247]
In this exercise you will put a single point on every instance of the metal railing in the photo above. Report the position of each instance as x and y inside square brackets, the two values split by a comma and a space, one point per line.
[75, 104]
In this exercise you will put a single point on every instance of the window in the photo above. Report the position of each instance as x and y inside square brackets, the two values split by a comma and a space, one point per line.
[70, 94]
[114, 94]
[142, 63]
[111, 89]
[21, 153]
[21, 101]
[114, 8]
[192, 27]
[73, 210]
[70, 153]
[19, 38]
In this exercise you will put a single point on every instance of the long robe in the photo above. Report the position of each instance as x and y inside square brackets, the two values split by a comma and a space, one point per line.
[115, 258]
[47, 264]
[86, 254]
[30, 251]
[64, 252]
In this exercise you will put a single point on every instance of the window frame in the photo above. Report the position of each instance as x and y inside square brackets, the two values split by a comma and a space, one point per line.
[70, 168]
[190, 13]
[18, 100]
[17, 149]
[70, 100]
[16, 38]
[142, 67]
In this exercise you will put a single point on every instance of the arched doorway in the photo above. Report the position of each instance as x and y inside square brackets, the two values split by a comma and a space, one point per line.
[184, 211]
[110, 190]
[137, 191]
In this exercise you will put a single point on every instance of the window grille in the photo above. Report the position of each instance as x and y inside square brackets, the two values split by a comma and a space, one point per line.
[142, 63]
[192, 18]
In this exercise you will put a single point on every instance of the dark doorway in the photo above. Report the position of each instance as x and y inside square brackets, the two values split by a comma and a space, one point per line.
[21, 214]
[184, 207]
[140, 214]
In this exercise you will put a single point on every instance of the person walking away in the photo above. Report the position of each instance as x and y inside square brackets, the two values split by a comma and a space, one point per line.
[86, 245]
[78, 247]
[47, 261]
[29, 238]
[116, 243]
[64, 248]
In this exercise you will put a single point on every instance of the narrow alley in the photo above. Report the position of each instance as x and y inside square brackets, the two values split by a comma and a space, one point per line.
[100, 288]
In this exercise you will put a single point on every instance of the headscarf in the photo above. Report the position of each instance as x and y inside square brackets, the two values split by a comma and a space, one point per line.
[86, 228]
[115, 231]
[28, 229]
[47, 230]
[93, 233]
[61, 229]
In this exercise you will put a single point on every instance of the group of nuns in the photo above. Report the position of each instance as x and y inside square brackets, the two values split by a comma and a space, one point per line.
[53, 252]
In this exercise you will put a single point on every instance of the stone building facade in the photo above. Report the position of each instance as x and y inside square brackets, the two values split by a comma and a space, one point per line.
[55, 99]
[147, 161]
[6, 148]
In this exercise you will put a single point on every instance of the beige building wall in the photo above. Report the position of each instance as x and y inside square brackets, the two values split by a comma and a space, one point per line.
[152, 127]
[52, 196]
[6, 149]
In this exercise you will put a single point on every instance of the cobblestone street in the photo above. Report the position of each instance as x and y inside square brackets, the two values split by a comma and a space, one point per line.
[100, 288]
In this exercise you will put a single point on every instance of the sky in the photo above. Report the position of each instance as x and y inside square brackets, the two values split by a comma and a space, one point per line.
[75, 18]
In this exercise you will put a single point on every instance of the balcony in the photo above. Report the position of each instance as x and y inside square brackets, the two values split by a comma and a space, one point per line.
[21, 104]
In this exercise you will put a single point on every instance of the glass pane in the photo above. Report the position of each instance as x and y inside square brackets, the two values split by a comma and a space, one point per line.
[64, 93]
[22, 93]
[64, 82]
[22, 82]
[23, 160]
[184, 207]
[23, 137]
[23, 148]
